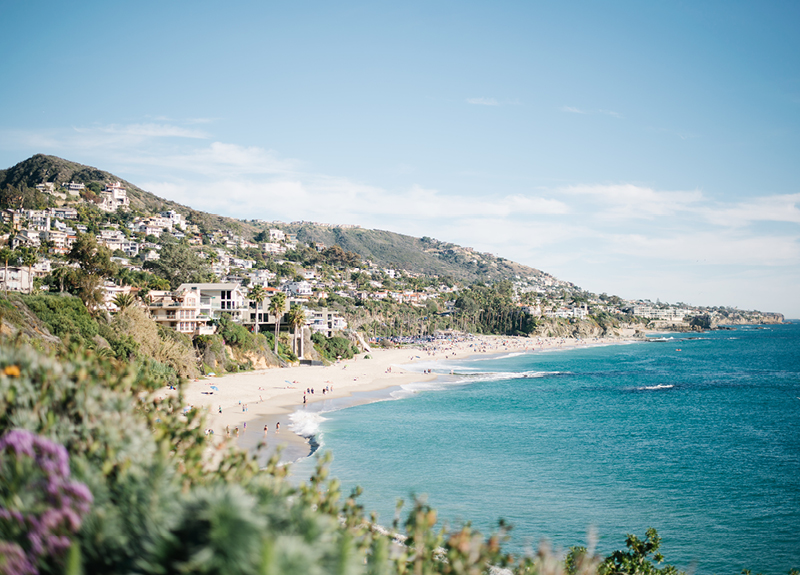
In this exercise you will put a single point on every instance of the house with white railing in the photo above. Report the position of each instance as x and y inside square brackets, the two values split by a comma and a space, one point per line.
[180, 310]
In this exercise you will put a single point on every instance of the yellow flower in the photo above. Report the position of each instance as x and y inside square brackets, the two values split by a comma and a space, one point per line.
[12, 370]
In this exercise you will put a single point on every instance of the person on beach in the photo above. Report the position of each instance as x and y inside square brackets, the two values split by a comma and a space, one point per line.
[305, 399]
[237, 431]
[265, 431]
[227, 431]
[220, 409]
[277, 427]
[245, 426]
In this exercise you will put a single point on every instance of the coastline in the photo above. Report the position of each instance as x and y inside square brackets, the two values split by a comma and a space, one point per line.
[251, 400]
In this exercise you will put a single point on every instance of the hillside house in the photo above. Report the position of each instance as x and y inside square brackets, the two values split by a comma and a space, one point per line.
[114, 197]
[17, 280]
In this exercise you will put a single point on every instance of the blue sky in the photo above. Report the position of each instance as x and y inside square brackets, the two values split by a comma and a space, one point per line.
[641, 149]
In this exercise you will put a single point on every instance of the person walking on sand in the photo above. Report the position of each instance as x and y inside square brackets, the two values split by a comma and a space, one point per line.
[265, 431]
[277, 427]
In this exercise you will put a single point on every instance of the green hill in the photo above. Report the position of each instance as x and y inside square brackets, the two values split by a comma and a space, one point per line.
[384, 248]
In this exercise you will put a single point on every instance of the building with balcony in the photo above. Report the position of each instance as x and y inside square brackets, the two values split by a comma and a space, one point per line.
[325, 322]
[180, 310]
[219, 298]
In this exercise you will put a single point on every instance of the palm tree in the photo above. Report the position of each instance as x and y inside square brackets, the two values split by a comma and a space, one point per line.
[123, 300]
[28, 258]
[8, 256]
[297, 319]
[61, 274]
[257, 294]
[276, 305]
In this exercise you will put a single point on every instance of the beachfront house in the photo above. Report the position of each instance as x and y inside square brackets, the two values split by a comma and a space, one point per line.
[325, 321]
[221, 298]
[259, 312]
[180, 310]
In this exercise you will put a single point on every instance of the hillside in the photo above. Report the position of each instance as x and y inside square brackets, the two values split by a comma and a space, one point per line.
[42, 168]
[384, 248]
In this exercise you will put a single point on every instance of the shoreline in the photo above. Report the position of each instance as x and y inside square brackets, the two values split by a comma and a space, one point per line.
[254, 399]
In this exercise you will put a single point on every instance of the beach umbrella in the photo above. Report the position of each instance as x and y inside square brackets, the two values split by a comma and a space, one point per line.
[215, 388]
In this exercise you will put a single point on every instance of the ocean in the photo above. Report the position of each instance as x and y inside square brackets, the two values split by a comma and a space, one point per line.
[696, 435]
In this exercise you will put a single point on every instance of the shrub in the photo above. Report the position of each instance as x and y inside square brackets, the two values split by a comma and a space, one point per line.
[65, 316]
[42, 508]
[333, 347]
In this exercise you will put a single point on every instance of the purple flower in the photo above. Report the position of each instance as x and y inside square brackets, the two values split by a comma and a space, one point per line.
[44, 528]
[13, 560]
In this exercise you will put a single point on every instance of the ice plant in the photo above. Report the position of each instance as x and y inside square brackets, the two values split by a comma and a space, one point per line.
[40, 507]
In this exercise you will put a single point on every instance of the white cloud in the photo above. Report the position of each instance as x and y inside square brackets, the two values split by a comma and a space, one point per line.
[711, 248]
[777, 208]
[146, 131]
[483, 101]
[631, 202]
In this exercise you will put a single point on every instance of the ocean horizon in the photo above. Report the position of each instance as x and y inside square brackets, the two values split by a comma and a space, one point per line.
[693, 434]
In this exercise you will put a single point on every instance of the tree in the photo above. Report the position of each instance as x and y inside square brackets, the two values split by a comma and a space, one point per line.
[297, 319]
[28, 257]
[124, 300]
[93, 259]
[635, 560]
[276, 305]
[95, 265]
[178, 263]
[8, 256]
[257, 294]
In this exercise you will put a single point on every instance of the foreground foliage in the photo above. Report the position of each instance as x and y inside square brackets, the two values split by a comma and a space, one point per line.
[99, 476]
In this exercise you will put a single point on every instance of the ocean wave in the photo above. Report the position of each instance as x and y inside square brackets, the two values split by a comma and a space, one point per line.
[495, 357]
[653, 387]
[306, 423]
[503, 375]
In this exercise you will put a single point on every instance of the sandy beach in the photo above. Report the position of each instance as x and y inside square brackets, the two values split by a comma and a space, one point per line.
[241, 405]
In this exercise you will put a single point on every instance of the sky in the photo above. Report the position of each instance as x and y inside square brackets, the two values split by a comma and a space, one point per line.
[642, 149]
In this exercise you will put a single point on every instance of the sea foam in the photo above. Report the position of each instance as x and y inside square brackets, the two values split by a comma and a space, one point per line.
[306, 423]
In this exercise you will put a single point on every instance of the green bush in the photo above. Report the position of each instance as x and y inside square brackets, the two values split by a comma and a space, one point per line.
[66, 317]
[333, 347]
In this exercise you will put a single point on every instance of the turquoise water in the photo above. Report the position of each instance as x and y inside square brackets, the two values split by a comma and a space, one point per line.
[703, 444]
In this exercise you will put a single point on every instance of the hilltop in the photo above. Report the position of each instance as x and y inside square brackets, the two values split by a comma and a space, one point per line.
[425, 255]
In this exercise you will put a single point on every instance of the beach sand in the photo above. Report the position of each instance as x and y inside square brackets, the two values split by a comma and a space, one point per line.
[251, 400]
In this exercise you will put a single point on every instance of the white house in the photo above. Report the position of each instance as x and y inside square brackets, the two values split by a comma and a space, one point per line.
[219, 298]
[18, 279]
[324, 321]
[114, 196]
[176, 220]
[301, 289]
[181, 310]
